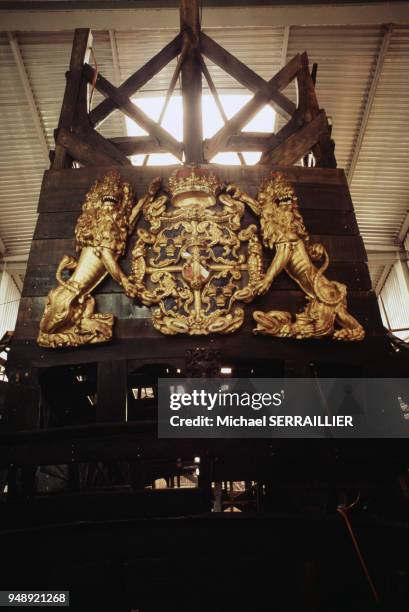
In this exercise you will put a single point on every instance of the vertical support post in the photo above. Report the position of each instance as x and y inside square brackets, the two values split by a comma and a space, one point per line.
[112, 392]
[218, 495]
[74, 107]
[205, 480]
[308, 107]
[192, 83]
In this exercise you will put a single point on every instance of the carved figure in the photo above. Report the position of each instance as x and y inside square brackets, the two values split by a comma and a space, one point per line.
[101, 235]
[282, 229]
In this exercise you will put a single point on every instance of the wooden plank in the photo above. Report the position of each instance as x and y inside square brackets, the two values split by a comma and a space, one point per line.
[307, 100]
[123, 102]
[81, 43]
[216, 99]
[191, 83]
[50, 251]
[308, 107]
[55, 225]
[74, 89]
[138, 79]
[84, 152]
[244, 75]
[371, 352]
[171, 88]
[291, 150]
[97, 141]
[82, 178]
[135, 145]
[291, 127]
[247, 141]
[124, 308]
[310, 195]
[324, 151]
[249, 110]
[41, 279]
[362, 304]
[32, 308]
[317, 221]
[111, 392]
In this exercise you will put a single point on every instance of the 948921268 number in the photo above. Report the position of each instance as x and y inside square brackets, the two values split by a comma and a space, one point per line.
[34, 598]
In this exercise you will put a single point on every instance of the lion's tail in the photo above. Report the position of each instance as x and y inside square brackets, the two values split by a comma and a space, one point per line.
[318, 251]
[67, 263]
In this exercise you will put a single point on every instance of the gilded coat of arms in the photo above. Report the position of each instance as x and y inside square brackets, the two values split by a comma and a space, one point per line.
[197, 259]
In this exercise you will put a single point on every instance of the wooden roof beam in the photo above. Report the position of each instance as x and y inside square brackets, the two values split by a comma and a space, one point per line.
[297, 144]
[86, 150]
[121, 101]
[247, 77]
[191, 82]
[138, 79]
[247, 141]
[249, 110]
[404, 229]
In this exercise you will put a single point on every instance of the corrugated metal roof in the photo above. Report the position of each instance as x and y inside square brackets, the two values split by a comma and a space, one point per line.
[375, 270]
[380, 187]
[21, 160]
[134, 50]
[258, 48]
[346, 57]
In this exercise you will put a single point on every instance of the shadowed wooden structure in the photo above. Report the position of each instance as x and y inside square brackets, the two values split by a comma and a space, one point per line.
[112, 432]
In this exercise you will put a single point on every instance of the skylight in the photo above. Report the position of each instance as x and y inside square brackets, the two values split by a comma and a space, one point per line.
[212, 122]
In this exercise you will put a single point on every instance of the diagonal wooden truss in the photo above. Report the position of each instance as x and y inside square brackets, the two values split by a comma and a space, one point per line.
[306, 129]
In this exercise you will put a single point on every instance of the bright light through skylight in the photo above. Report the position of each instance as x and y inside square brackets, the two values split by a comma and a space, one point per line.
[212, 122]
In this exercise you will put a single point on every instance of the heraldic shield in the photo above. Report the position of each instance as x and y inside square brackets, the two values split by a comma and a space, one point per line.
[195, 260]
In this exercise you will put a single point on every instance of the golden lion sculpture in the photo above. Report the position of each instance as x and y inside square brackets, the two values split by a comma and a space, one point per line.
[283, 229]
[101, 235]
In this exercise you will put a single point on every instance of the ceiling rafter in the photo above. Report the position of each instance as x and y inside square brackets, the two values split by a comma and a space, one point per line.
[125, 104]
[369, 101]
[37, 16]
[138, 79]
[382, 279]
[404, 229]
[28, 92]
[385, 257]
